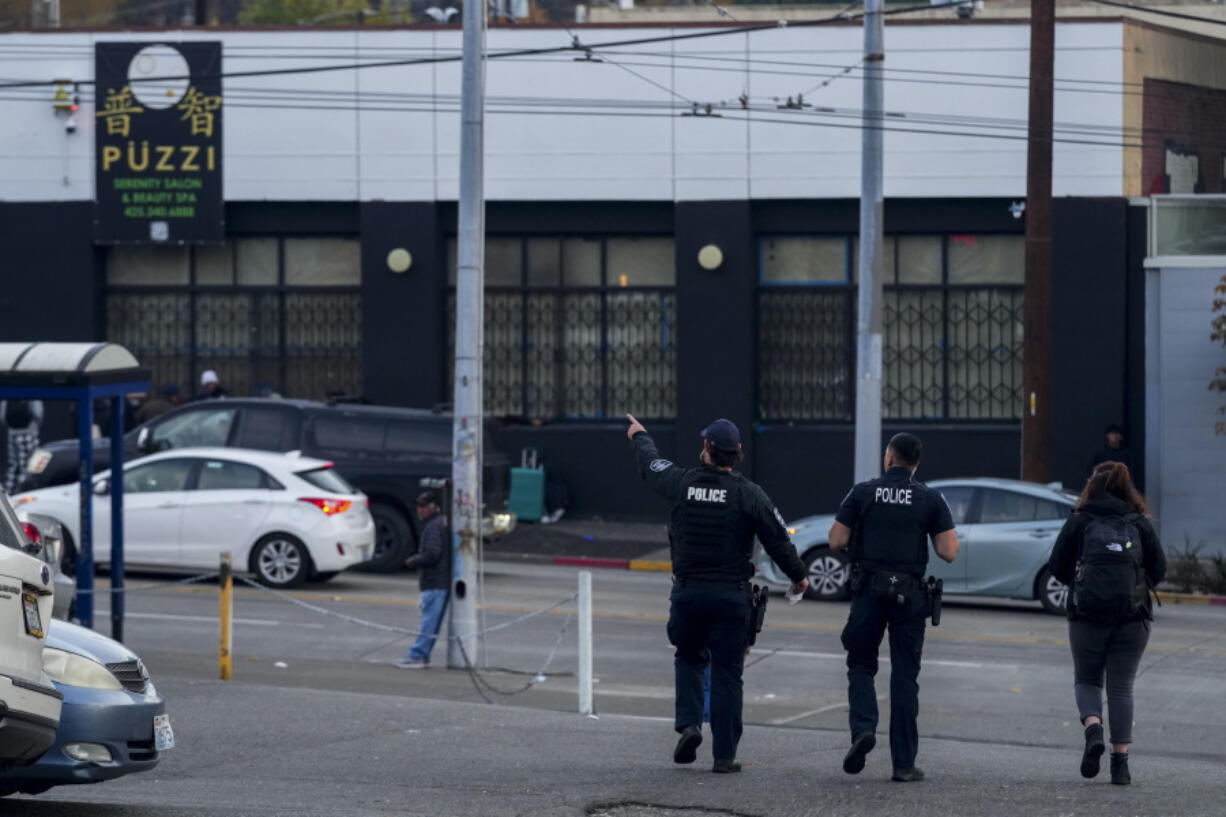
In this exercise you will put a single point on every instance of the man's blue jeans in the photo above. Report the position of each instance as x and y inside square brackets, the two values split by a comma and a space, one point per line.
[433, 605]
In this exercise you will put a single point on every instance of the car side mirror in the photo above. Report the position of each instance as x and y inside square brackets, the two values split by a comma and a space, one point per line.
[102, 487]
[142, 441]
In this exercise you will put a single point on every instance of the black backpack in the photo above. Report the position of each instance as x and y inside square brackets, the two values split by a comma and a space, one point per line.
[17, 414]
[1110, 584]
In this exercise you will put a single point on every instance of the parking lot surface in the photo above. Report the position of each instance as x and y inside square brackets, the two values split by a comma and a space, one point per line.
[319, 715]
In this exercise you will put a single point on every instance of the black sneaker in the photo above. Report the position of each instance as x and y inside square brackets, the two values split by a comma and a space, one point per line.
[861, 745]
[912, 775]
[1119, 769]
[687, 745]
[726, 767]
[1094, 750]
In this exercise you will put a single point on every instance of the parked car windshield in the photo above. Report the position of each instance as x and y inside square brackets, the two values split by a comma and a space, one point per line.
[194, 429]
[328, 480]
[12, 535]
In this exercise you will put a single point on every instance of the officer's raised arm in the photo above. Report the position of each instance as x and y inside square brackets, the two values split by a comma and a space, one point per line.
[661, 475]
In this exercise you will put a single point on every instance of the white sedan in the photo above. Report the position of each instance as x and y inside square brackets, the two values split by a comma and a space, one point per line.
[284, 517]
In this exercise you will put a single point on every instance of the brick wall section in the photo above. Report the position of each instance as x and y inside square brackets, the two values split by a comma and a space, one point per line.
[1187, 119]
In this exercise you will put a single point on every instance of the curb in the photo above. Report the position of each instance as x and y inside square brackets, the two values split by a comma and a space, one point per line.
[616, 564]
[1191, 598]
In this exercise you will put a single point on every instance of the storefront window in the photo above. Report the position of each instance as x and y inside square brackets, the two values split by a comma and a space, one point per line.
[951, 322]
[229, 308]
[587, 330]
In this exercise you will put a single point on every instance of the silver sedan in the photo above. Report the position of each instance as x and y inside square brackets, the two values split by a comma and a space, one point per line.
[1006, 529]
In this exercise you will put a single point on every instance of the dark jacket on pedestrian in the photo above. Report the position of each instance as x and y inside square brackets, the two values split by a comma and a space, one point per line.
[1067, 551]
[1109, 454]
[433, 557]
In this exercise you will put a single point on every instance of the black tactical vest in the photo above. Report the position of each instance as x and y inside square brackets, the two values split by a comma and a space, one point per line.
[893, 529]
[707, 527]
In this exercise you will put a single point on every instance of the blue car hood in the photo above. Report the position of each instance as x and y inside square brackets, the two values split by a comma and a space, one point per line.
[61, 635]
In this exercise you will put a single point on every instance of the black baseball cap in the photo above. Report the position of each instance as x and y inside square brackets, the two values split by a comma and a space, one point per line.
[723, 434]
[428, 498]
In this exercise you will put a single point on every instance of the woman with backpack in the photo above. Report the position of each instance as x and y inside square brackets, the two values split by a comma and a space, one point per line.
[1109, 555]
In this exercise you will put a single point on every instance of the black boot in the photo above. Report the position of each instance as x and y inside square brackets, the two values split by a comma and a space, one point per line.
[1119, 769]
[1094, 750]
[687, 745]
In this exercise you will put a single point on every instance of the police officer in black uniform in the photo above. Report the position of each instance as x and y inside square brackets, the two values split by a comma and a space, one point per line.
[715, 515]
[887, 523]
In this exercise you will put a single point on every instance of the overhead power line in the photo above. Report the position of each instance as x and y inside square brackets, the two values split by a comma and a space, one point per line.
[1162, 12]
[575, 45]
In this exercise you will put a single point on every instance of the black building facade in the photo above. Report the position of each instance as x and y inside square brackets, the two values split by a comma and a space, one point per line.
[594, 309]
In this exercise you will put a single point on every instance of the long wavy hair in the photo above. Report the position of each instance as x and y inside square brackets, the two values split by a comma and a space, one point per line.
[1113, 478]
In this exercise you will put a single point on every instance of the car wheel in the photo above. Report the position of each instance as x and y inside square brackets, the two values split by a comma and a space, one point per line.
[280, 560]
[828, 573]
[393, 541]
[1052, 592]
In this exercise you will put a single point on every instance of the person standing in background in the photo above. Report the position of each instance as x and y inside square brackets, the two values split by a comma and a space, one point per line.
[210, 386]
[23, 418]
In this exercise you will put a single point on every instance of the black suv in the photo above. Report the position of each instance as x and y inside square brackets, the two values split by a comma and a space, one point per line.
[383, 451]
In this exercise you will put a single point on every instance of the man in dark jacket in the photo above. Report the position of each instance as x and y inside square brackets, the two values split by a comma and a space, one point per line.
[433, 562]
[1113, 450]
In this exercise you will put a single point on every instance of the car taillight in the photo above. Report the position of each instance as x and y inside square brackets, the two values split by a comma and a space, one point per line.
[328, 506]
[32, 533]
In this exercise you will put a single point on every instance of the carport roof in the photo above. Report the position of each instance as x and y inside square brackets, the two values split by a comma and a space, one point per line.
[68, 364]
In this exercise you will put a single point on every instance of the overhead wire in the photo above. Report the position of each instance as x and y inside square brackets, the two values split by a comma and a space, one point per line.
[523, 52]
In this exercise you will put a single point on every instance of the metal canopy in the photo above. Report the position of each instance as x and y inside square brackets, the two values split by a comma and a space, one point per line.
[82, 372]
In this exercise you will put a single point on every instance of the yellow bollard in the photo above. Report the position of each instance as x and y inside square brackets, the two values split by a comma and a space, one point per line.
[225, 657]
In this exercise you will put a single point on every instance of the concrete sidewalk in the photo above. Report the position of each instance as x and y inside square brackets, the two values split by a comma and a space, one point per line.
[247, 749]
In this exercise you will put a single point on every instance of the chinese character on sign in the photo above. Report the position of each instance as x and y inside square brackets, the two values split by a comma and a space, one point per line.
[118, 111]
[199, 110]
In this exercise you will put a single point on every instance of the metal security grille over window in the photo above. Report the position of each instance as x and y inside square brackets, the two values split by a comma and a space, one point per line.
[577, 327]
[269, 315]
[952, 318]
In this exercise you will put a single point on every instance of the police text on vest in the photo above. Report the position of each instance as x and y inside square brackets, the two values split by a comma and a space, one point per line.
[893, 496]
[707, 494]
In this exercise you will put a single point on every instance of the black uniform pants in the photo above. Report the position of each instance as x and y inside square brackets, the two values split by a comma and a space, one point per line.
[866, 625]
[708, 623]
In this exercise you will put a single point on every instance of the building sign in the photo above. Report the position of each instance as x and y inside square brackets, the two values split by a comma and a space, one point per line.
[157, 142]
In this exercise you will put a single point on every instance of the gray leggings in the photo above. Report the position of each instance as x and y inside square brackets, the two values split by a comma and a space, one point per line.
[1113, 649]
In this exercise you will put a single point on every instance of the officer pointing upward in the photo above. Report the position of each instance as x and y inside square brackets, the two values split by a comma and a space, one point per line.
[887, 522]
[711, 527]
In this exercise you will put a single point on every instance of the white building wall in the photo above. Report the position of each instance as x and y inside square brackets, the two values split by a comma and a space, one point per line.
[393, 132]
[1185, 435]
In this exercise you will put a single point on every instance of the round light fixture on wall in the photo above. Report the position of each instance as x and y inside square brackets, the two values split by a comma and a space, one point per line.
[399, 260]
[710, 257]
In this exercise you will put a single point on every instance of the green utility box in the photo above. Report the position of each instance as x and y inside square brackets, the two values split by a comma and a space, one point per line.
[528, 488]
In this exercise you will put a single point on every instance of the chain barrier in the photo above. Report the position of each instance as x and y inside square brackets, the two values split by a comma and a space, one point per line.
[480, 683]
[538, 678]
[390, 628]
[203, 577]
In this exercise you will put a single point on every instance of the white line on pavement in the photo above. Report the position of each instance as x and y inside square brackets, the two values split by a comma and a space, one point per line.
[255, 622]
[927, 662]
[812, 712]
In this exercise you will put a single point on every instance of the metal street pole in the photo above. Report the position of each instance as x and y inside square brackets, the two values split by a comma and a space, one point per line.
[464, 647]
[872, 246]
[1036, 308]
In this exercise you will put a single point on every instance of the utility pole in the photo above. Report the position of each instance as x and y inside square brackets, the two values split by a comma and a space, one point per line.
[466, 509]
[872, 246]
[1036, 349]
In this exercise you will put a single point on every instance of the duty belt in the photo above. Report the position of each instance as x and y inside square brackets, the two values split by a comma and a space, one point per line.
[733, 584]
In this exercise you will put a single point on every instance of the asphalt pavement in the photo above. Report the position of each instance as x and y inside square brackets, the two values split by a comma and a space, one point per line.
[318, 721]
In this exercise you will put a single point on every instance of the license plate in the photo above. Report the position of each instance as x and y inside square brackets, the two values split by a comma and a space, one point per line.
[34, 621]
[163, 735]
